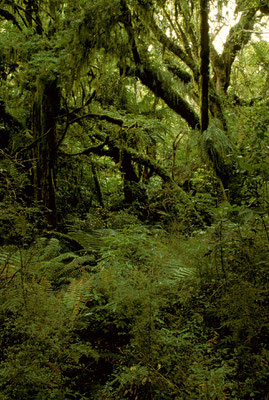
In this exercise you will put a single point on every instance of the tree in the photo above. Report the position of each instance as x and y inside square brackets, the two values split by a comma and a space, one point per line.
[180, 60]
[123, 273]
[46, 110]
[35, 30]
[120, 41]
[204, 68]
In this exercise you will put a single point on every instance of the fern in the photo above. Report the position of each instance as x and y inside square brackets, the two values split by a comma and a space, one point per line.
[9, 257]
[68, 266]
[51, 248]
[78, 293]
[89, 241]
[176, 270]
[216, 146]
[45, 285]
[10, 263]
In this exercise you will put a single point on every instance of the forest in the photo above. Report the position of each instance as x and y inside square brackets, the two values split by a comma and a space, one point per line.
[134, 199]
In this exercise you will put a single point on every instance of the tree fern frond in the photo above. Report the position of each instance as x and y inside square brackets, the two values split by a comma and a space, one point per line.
[10, 258]
[10, 264]
[45, 285]
[176, 270]
[61, 259]
[91, 241]
[216, 146]
[61, 270]
[78, 293]
[74, 268]
[52, 248]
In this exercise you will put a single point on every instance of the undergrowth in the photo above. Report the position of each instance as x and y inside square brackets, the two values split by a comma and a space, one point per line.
[130, 311]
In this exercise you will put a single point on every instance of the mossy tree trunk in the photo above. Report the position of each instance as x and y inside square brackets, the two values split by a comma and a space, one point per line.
[45, 112]
[204, 65]
[98, 190]
[219, 165]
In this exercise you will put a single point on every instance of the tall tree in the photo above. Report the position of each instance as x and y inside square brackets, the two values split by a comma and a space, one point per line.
[36, 29]
[78, 61]
[46, 110]
[204, 67]
[170, 29]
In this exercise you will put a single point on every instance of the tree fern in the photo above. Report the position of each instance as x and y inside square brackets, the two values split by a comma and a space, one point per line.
[77, 295]
[92, 241]
[216, 147]
[10, 263]
[51, 248]
[176, 270]
[9, 257]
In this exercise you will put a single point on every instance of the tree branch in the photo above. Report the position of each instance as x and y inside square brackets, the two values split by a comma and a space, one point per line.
[114, 151]
[99, 150]
[174, 48]
[9, 17]
[239, 35]
[104, 117]
[156, 80]
[162, 87]
[176, 69]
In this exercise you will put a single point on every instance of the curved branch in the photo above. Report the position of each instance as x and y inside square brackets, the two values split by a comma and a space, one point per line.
[156, 80]
[176, 69]
[174, 48]
[237, 38]
[99, 150]
[9, 17]
[239, 35]
[162, 87]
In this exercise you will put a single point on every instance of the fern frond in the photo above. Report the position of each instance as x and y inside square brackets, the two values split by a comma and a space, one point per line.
[91, 241]
[61, 259]
[10, 264]
[216, 146]
[52, 248]
[176, 270]
[73, 268]
[45, 285]
[78, 293]
[10, 258]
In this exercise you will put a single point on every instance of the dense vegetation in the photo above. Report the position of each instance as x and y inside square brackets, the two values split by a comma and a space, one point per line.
[134, 228]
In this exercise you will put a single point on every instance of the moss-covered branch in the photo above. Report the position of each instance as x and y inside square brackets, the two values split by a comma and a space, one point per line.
[179, 72]
[157, 81]
[173, 47]
[239, 36]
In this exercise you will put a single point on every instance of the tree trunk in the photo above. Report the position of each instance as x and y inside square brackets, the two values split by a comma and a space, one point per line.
[98, 190]
[204, 66]
[45, 112]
